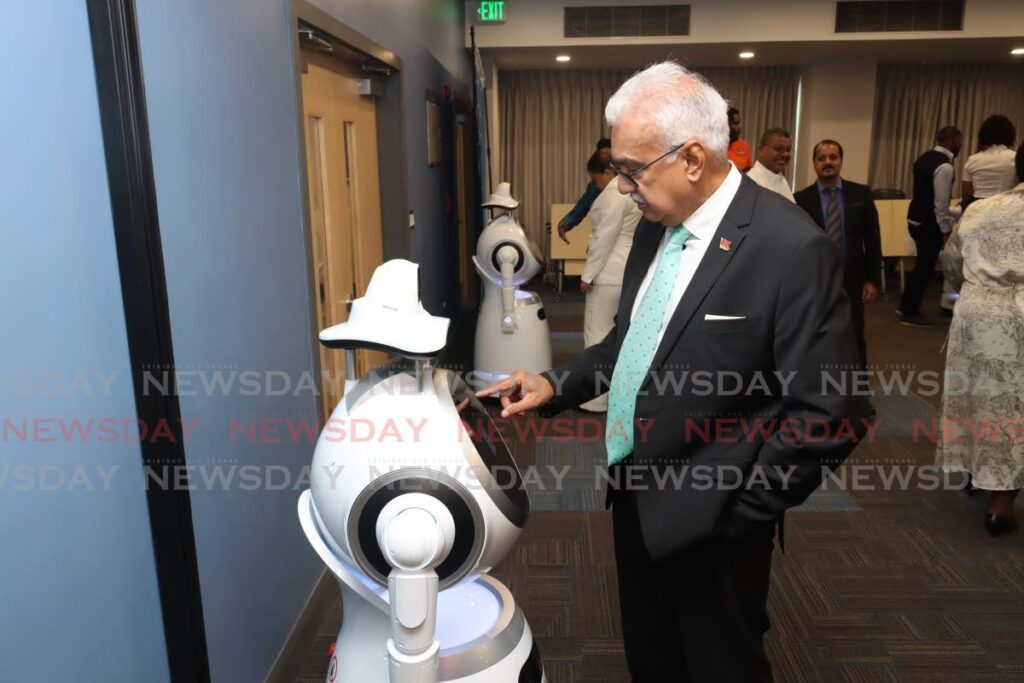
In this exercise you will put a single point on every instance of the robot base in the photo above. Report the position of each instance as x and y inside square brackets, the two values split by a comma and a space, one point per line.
[483, 634]
[498, 353]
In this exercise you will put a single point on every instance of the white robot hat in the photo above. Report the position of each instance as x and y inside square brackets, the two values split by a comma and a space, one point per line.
[390, 317]
[502, 198]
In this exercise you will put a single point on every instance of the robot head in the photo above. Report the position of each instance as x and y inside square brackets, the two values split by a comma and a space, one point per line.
[505, 231]
[401, 430]
[407, 428]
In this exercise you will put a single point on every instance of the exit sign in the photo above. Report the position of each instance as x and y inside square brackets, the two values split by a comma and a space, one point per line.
[491, 11]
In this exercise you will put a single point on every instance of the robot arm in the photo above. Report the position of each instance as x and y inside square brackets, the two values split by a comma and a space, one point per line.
[416, 533]
[507, 258]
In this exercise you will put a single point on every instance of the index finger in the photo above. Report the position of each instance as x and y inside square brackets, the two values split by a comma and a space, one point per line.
[507, 384]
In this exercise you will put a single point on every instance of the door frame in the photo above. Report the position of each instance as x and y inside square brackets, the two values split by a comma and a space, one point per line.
[124, 124]
[469, 198]
[354, 47]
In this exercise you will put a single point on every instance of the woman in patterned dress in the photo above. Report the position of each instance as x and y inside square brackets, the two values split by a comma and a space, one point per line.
[983, 405]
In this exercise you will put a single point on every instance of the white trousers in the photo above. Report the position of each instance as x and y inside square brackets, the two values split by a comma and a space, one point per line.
[598, 319]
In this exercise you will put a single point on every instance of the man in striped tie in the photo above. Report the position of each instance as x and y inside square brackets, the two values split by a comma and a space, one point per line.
[725, 280]
[846, 212]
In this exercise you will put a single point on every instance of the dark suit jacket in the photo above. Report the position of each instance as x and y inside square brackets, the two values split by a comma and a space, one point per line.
[860, 223]
[782, 273]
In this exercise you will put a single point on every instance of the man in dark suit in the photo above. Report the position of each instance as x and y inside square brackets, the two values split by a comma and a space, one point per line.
[846, 212]
[725, 281]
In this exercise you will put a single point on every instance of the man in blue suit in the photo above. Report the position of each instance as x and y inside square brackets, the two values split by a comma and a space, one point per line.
[846, 212]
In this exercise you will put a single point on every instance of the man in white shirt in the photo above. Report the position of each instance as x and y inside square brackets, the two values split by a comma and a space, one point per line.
[773, 155]
[930, 218]
[613, 218]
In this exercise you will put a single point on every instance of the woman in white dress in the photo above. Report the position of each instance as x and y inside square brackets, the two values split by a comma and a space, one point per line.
[983, 403]
[990, 170]
[613, 218]
[987, 172]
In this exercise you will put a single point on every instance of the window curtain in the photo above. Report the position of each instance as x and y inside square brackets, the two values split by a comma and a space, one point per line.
[550, 120]
[912, 101]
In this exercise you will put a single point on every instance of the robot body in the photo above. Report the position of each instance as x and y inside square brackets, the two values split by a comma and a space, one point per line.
[413, 498]
[512, 330]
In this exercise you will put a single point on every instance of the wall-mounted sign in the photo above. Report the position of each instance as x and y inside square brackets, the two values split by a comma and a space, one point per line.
[491, 11]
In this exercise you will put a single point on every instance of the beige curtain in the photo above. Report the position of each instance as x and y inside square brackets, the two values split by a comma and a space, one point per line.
[550, 120]
[912, 101]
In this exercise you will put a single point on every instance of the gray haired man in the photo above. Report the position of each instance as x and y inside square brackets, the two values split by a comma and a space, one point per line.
[724, 278]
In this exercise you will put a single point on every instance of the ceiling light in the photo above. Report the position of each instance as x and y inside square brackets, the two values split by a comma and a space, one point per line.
[746, 55]
[1017, 51]
[562, 58]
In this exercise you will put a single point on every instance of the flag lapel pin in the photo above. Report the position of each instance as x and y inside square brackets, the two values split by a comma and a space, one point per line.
[724, 244]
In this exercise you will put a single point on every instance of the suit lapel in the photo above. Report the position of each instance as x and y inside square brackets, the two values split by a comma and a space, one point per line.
[849, 200]
[816, 213]
[714, 261]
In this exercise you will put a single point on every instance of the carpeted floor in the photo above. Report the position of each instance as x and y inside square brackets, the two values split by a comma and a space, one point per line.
[877, 583]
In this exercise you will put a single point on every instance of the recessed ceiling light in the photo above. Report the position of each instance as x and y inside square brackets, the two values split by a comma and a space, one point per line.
[746, 55]
[562, 58]
[1017, 51]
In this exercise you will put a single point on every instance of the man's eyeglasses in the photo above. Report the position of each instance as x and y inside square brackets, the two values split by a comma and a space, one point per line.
[632, 176]
[779, 149]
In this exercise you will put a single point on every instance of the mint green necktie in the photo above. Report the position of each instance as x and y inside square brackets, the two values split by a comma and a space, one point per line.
[638, 348]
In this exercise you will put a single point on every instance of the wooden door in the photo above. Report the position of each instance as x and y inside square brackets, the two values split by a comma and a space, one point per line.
[344, 197]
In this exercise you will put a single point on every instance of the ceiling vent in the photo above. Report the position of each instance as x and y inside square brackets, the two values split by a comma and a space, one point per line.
[880, 16]
[627, 21]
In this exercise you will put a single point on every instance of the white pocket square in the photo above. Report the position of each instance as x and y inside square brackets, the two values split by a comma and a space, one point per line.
[710, 316]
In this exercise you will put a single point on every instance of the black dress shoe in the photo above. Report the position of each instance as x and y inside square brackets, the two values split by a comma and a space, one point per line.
[997, 525]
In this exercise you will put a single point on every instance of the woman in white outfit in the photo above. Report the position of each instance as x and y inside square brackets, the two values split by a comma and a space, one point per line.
[987, 172]
[990, 170]
[983, 404]
[613, 218]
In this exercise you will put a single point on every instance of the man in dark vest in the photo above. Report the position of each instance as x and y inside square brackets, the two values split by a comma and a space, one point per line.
[930, 218]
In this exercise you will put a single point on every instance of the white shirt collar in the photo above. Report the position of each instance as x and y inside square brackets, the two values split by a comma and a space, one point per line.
[764, 169]
[940, 148]
[703, 222]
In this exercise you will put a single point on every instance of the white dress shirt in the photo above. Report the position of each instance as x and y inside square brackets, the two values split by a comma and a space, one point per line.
[942, 184]
[991, 171]
[702, 225]
[613, 218]
[776, 182]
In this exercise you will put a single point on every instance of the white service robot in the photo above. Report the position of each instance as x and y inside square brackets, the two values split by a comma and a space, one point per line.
[512, 330]
[413, 498]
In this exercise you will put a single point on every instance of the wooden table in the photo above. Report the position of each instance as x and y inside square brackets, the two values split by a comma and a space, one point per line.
[573, 256]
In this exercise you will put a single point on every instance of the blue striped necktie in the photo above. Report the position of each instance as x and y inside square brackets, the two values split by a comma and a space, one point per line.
[833, 216]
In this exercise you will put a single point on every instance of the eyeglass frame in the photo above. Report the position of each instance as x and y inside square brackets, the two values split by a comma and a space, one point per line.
[631, 176]
[778, 149]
